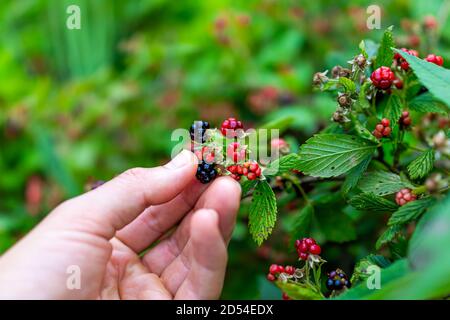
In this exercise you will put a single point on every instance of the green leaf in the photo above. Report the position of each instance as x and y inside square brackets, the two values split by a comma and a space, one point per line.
[335, 225]
[281, 123]
[371, 202]
[385, 54]
[298, 291]
[263, 212]
[330, 155]
[353, 176]
[426, 103]
[302, 223]
[247, 186]
[382, 183]
[362, 131]
[387, 236]
[348, 85]
[422, 165]
[283, 165]
[410, 211]
[360, 272]
[393, 109]
[436, 79]
[362, 96]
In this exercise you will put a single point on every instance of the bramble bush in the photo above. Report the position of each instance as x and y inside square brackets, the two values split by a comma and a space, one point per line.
[386, 152]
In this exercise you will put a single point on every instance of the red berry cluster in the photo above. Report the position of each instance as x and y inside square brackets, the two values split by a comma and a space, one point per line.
[382, 129]
[230, 126]
[382, 78]
[275, 270]
[438, 60]
[236, 152]
[404, 196]
[307, 246]
[402, 62]
[405, 119]
[251, 170]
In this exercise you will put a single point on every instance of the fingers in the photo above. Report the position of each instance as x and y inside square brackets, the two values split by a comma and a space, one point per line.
[155, 221]
[119, 201]
[223, 196]
[208, 258]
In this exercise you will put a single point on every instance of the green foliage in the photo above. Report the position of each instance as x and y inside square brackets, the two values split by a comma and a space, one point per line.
[427, 103]
[299, 292]
[382, 183]
[422, 165]
[385, 53]
[283, 165]
[393, 110]
[328, 155]
[410, 211]
[302, 224]
[263, 212]
[436, 79]
[387, 236]
[371, 202]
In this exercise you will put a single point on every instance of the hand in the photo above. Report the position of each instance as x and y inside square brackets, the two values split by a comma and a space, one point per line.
[104, 234]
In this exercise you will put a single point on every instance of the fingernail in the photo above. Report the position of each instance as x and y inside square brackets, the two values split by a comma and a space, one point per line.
[182, 159]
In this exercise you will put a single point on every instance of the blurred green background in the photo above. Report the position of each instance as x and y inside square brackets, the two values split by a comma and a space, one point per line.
[81, 105]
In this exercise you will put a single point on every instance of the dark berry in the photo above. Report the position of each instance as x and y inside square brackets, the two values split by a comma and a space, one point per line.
[229, 127]
[438, 60]
[337, 279]
[206, 172]
[197, 131]
[382, 78]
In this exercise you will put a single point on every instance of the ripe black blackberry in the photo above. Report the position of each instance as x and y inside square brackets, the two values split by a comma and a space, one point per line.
[197, 131]
[206, 172]
[337, 280]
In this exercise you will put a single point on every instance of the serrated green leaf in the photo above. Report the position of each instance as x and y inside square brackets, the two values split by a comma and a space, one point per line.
[247, 186]
[382, 183]
[385, 54]
[330, 155]
[348, 85]
[426, 103]
[371, 202]
[263, 212]
[360, 272]
[362, 96]
[353, 176]
[298, 291]
[435, 78]
[283, 165]
[410, 211]
[422, 165]
[302, 223]
[387, 236]
[393, 109]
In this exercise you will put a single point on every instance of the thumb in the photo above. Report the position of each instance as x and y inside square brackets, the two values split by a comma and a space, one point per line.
[119, 201]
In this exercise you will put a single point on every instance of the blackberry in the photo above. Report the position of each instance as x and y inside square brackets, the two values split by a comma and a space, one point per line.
[197, 131]
[337, 280]
[206, 172]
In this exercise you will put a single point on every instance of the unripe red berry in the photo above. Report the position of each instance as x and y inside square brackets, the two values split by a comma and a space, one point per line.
[387, 132]
[398, 83]
[289, 270]
[297, 243]
[405, 119]
[382, 78]
[404, 196]
[438, 60]
[385, 122]
[229, 126]
[310, 241]
[430, 23]
[303, 248]
[379, 127]
[271, 277]
[280, 269]
[303, 256]
[315, 249]
[402, 62]
[273, 269]
[285, 296]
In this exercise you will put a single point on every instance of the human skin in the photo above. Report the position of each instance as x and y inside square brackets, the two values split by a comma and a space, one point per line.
[106, 233]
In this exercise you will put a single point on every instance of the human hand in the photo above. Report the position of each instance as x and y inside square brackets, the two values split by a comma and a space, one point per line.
[105, 233]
